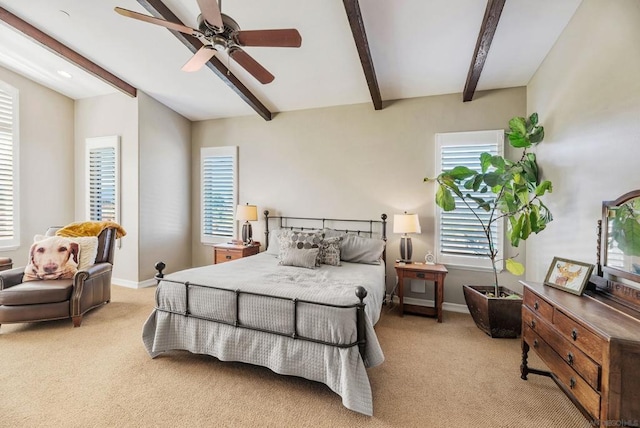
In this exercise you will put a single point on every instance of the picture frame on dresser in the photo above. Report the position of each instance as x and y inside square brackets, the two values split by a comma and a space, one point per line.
[568, 275]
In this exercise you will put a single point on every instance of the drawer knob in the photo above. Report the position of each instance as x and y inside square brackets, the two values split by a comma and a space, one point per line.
[228, 257]
[420, 275]
[535, 343]
[572, 382]
[533, 323]
[570, 358]
[536, 305]
[574, 334]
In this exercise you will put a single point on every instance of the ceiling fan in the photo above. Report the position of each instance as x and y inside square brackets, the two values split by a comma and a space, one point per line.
[219, 32]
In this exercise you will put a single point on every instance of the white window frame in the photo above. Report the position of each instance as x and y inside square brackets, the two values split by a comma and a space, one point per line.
[474, 138]
[209, 152]
[13, 242]
[94, 143]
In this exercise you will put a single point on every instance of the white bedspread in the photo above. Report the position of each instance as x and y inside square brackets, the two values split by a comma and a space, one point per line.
[342, 369]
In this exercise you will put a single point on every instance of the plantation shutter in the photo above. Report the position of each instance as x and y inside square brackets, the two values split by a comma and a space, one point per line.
[9, 236]
[102, 175]
[460, 231]
[460, 239]
[219, 178]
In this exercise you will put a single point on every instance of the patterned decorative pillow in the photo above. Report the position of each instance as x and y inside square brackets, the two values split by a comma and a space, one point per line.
[300, 240]
[88, 249]
[299, 257]
[330, 251]
[52, 258]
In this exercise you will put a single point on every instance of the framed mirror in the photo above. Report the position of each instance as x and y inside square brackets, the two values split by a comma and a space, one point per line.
[621, 237]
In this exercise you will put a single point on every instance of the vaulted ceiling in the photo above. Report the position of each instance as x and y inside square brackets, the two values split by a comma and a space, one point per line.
[367, 51]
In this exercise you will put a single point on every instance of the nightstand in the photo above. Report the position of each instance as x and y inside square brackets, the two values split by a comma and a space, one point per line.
[435, 273]
[227, 252]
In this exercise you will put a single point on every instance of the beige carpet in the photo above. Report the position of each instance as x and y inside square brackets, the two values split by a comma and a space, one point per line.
[99, 375]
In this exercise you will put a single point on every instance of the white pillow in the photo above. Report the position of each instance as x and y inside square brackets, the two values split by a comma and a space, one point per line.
[88, 249]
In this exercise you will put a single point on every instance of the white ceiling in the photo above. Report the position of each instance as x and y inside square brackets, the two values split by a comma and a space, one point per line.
[419, 48]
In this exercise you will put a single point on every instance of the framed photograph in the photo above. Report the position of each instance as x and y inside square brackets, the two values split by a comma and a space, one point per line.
[568, 275]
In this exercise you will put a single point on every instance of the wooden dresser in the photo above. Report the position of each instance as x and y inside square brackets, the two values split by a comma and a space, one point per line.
[592, 349]
[227, 252]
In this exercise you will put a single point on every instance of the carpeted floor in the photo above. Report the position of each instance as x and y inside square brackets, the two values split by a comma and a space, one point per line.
[99, 375]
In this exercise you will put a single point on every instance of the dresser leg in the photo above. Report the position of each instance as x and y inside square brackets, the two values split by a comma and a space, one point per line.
[524, 369]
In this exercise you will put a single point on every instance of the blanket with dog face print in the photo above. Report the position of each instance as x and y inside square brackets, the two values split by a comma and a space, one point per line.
[53, 257]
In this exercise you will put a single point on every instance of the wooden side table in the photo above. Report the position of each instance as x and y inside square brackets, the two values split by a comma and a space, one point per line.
[227, 252]
[435, 273]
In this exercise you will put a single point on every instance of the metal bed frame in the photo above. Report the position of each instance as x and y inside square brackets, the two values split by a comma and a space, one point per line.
[360, 292]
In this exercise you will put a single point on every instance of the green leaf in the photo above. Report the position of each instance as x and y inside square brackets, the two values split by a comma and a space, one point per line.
[514, 267]
[519, 140]
[536, 135]
[533, 119]
[485, 162]
[477, 181]
[492, 179]
[498, 162]
[518, 125]
[543, 187]
[444, 198]
[461, 172]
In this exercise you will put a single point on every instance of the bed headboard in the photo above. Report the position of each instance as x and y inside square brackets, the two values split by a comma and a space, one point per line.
[369, 228]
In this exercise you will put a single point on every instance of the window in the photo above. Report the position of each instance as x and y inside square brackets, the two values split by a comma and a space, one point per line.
[102, 163]
[460, 240]
[219, 182]
[9, 195]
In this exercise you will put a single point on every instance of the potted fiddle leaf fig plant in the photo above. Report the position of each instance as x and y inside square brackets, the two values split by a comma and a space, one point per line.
[506, 190]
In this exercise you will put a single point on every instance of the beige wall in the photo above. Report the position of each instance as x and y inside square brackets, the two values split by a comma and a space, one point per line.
[165, 188]
[352, 162]
[587, 93]
[46, 161]
[115, 114]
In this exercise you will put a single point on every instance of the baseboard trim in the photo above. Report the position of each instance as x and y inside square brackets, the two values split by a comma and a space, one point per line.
[132, 284]
[446, 306]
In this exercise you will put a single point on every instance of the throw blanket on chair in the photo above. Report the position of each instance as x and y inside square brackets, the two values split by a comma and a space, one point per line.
[90, 228]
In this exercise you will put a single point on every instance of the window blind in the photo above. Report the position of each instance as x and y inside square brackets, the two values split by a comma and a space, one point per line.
[102, 184]
[460, 239]
[460, 231]
[8, 184]
[219, 178]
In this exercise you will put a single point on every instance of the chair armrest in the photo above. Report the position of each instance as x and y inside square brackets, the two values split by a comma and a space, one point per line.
[93, 270]
[11, 277]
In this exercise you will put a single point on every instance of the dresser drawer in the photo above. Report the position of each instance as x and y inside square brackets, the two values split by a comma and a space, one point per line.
[575, 333]
[538, 305]
[581, 363]
[226, 255]
[416, 274]
[572, 382]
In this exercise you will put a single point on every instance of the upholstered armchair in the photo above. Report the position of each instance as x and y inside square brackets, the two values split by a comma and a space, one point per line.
[61, 298]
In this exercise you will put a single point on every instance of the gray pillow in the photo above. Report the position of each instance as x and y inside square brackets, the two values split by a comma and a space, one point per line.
[300, 240]
[299, 257]
[274, 242]
[330, 251]
[358, 249]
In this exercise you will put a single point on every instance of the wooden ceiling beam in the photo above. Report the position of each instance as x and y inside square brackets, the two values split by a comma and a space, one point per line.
[160, 10]
[65, 52]
[352, 8]
[485, 37]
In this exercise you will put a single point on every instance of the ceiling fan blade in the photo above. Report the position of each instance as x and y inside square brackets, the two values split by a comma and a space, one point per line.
[204, 54]
[251, 65]
[285, 38]
[211, 12]
[168, 24]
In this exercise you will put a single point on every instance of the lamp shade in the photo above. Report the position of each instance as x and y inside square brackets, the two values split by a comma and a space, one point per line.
[247, 213]
[406, 223]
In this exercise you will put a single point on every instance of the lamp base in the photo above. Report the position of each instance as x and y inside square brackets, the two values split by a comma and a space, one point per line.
[406, 249]
[247, 233]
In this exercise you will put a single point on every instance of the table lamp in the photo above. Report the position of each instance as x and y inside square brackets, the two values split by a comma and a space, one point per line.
[246, 213]
[406, 223]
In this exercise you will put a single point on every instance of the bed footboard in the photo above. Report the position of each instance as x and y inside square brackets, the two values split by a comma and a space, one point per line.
[360, 292]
